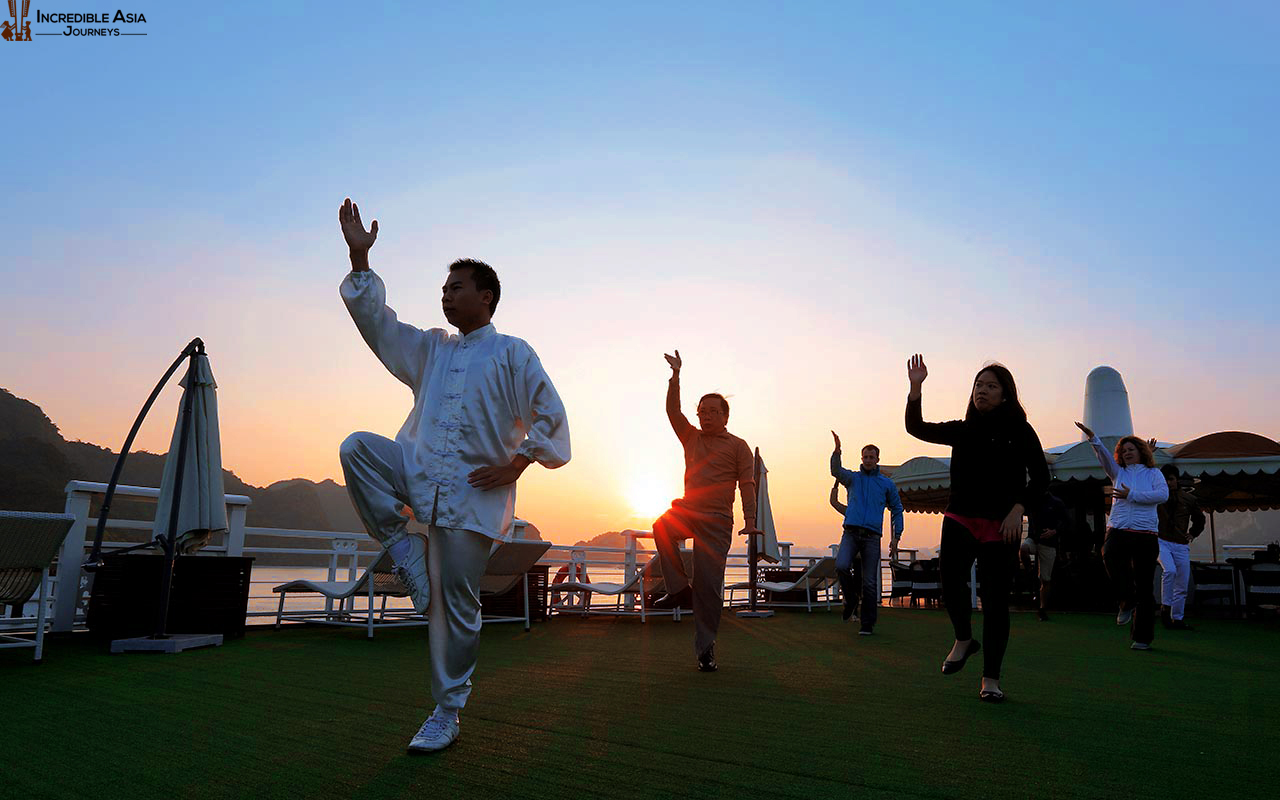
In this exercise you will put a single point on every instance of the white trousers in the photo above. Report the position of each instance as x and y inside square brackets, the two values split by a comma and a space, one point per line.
[373, 468]
[1175, 560]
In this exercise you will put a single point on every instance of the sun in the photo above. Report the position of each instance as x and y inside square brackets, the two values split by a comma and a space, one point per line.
[649, 497]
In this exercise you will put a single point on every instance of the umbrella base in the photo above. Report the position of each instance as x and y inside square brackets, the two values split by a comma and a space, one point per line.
[175, 643]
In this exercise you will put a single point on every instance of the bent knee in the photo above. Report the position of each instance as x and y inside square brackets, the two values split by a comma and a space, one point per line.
[352, 445]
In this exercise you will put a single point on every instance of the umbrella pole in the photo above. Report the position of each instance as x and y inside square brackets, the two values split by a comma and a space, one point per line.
[170, 541]
[1213, 537]
[95, 557]
[751, 539]
[753, 552]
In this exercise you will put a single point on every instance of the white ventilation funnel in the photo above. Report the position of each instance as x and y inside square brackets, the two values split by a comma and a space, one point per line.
[1106, 403]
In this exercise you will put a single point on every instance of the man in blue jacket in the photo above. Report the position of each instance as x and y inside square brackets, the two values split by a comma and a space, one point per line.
[869, 493]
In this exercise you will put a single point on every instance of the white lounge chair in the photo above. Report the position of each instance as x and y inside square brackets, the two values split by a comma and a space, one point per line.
[509, 565]
[29, 541]
[377, 581]
[818, 579]
[649, 574]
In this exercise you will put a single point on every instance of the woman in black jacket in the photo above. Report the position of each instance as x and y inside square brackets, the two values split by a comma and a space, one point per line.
[993, 451]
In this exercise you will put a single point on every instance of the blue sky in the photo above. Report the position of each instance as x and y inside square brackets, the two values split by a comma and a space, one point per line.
[830, 186]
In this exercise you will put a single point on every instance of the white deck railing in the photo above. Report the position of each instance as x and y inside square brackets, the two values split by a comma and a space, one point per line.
[340, 551]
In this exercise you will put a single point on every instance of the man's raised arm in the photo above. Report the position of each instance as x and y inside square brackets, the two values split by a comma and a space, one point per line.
[403, 349]
[679, 422]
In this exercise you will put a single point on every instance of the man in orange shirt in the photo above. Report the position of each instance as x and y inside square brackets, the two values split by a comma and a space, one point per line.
[715, 461]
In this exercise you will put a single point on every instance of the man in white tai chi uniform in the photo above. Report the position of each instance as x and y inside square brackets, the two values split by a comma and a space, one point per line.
[483, 410]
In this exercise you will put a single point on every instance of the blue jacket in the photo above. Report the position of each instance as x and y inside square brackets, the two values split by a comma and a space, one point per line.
[869, 493]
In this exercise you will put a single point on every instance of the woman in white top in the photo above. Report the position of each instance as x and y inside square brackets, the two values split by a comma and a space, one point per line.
[1133, 542]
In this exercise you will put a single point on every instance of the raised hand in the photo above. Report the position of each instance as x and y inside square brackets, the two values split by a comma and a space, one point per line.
[1087, 432]
[837, 438]
[916, 371]
[358, 239]
[673, 361]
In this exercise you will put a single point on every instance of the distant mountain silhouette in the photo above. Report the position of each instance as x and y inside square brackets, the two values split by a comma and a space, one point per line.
[36, 463]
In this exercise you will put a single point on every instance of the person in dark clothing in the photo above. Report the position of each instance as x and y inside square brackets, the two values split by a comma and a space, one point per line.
[997, 470]
[1181, 521]
[1045, 523]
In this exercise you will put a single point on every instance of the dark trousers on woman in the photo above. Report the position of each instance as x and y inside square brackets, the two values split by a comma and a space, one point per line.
[1130, 558]
[995, 576]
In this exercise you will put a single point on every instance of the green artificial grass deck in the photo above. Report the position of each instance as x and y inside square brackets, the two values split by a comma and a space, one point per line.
[802, 707]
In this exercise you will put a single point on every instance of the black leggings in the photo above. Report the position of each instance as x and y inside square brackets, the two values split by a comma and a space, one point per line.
[995, 576]
[1130, 558]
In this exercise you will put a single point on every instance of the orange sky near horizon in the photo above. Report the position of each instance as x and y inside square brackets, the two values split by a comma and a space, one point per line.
[789, 383]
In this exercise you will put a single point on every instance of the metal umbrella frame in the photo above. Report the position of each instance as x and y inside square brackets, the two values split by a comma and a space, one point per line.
[191, 353]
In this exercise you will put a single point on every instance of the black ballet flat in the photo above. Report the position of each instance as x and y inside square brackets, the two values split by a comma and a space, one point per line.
[952, 667]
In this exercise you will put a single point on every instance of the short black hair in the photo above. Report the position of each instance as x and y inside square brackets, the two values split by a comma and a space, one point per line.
[867, 447]
[724, 404]
[484, 276]
[1169, 471]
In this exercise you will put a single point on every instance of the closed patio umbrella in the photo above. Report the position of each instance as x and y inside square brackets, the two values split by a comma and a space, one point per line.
[201, 504]
[191, 503]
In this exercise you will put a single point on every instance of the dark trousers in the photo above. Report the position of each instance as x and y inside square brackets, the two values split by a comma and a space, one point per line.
[995, 576]
[712, 535]
[858, 568]
[1130, 558]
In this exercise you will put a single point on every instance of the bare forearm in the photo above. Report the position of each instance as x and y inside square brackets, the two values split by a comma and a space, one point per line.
[359, 260]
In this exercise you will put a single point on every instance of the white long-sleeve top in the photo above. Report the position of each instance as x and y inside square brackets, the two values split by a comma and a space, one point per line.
[478, 400]
[1147, 490]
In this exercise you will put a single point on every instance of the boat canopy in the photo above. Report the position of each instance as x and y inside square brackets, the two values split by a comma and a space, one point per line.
[1232, 470]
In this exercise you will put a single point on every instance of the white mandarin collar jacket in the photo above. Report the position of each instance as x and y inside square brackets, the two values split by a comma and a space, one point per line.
[478, 400]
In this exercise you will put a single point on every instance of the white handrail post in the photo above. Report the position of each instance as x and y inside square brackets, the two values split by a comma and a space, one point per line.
[785, 548]
[236, 513]
[631, 567]
[333, 576]
[70, 560]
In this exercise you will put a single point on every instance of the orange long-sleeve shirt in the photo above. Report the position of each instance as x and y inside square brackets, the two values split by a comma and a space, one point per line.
[713, 465]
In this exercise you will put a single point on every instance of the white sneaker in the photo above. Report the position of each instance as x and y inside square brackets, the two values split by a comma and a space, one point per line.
[438, 732]
[412, 572]
[1124, 616]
